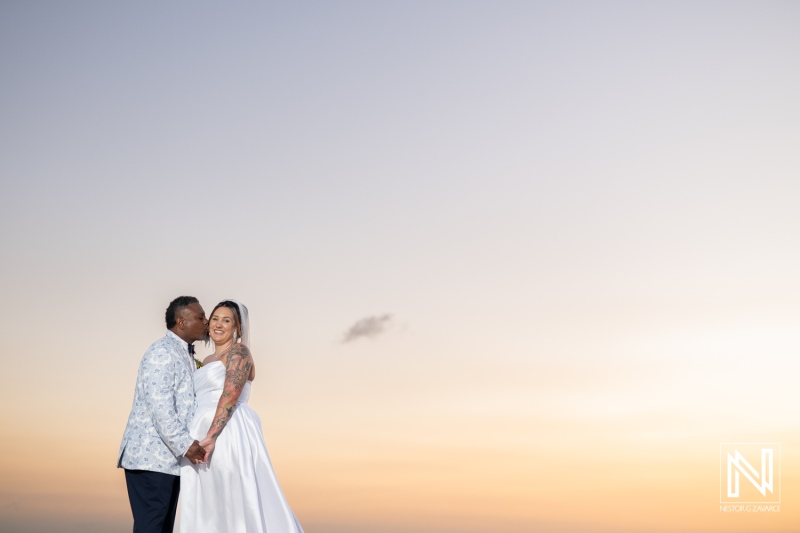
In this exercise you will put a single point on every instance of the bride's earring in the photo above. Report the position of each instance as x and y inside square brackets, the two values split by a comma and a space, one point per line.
[234, 336]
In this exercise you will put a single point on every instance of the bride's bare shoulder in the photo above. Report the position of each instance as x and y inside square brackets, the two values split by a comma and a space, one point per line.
[241, 351]
[240, 355]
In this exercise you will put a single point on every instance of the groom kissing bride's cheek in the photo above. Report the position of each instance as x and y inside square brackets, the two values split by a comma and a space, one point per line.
[190, 427]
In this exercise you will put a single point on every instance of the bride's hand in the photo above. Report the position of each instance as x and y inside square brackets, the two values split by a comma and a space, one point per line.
[208, 444]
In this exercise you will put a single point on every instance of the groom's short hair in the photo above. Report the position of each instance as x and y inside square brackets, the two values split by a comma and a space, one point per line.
[176, 306]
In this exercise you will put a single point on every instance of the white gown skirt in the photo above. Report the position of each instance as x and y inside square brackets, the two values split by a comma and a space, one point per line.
[236, 491]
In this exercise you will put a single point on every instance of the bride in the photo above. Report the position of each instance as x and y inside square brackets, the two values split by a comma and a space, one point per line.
[236, 491]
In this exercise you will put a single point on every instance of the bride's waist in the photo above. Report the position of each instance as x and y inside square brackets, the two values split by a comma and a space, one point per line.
[212, 398]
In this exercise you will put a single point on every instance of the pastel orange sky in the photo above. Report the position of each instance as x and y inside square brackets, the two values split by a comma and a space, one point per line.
[577, 222]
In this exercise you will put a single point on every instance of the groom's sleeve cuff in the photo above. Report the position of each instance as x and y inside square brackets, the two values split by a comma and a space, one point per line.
[184, 446]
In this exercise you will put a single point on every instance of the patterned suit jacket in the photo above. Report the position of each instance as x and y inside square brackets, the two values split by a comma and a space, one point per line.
[157, 433]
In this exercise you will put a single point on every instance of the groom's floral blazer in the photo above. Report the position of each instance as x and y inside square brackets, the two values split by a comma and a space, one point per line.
[157, 433]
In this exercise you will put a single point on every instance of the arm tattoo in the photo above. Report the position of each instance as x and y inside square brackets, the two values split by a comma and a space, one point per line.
[237, 372]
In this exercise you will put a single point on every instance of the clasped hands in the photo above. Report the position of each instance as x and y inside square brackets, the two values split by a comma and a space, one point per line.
[200, 452]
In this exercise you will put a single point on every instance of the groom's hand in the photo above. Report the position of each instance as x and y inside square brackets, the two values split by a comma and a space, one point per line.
[195, 453]
[208, 445]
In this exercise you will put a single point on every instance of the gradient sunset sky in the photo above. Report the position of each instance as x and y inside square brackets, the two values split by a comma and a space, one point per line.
[581, 219]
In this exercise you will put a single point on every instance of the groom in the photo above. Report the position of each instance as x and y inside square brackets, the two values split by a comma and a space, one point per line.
[157, 434]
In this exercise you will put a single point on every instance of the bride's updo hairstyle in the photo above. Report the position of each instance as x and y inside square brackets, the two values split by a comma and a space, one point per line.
[241, 327]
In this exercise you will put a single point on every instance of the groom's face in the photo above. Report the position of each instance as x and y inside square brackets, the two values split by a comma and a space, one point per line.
[195, 325]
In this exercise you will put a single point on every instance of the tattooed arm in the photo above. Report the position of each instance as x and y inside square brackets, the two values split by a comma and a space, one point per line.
[238, 370]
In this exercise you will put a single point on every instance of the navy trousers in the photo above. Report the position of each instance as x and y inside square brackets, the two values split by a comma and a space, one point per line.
[154, 499]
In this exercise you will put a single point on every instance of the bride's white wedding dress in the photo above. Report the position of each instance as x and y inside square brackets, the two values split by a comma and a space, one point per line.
[236, 491]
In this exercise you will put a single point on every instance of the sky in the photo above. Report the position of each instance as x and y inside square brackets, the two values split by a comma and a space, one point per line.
[518, 266]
